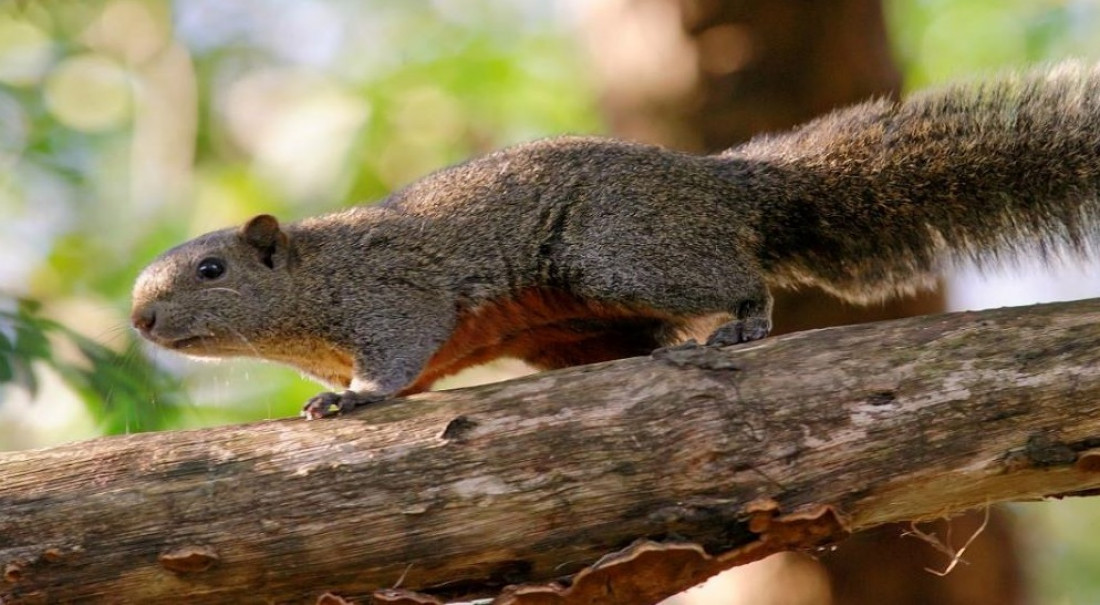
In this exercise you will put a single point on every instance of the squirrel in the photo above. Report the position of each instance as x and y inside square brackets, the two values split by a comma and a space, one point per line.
[576, 250]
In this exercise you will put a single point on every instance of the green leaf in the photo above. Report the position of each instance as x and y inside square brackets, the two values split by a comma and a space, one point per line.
[7, 354]
[7, 372]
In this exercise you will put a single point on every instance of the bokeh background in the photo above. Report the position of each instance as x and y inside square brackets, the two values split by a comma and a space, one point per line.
[128, 126]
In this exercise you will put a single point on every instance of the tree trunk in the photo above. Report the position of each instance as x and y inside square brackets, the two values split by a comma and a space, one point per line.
[723, 455]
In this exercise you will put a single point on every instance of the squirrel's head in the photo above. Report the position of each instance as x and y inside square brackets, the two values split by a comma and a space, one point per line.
[217, 294]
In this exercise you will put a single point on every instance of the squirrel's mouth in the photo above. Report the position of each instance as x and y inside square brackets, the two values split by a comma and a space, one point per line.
[204, 345]
[187, 342]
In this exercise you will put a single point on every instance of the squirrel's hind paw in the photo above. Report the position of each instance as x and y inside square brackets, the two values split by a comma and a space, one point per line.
[332, 404]
[739, 331]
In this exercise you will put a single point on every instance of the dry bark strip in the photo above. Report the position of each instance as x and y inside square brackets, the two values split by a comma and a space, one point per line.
[716, 456]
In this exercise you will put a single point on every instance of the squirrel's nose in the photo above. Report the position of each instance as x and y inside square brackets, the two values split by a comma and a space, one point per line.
[144, 318]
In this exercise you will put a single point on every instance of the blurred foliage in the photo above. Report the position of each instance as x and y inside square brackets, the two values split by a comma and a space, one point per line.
[123, 390]
[936, 40]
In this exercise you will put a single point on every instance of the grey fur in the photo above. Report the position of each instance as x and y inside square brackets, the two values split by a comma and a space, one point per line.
[867, 202]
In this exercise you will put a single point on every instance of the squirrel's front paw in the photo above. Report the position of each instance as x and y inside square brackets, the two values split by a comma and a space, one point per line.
[331, 404]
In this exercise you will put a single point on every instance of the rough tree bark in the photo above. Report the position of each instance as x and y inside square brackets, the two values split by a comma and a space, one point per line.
[723, 456]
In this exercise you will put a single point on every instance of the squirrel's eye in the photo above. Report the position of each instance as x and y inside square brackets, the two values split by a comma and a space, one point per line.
[211, 268]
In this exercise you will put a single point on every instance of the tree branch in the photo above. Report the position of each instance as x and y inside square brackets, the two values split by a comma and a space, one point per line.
[723, 456]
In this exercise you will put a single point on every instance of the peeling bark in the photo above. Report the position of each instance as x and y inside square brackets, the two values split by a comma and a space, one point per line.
[715, 456]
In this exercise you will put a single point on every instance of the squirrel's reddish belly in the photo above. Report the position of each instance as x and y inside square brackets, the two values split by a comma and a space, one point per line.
[546, 328]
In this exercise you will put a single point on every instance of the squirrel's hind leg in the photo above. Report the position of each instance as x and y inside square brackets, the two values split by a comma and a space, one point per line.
[750, 320]
[711, 289]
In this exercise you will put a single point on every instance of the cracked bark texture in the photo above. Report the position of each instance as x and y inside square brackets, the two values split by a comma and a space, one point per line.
[463, 492]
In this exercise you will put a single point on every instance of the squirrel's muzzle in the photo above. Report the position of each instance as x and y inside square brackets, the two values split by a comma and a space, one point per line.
[144, 318]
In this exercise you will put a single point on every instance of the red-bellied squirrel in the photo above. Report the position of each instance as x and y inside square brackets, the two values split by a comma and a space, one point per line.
[576, 250]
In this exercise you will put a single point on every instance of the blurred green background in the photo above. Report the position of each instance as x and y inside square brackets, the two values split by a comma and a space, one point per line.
[129, 126]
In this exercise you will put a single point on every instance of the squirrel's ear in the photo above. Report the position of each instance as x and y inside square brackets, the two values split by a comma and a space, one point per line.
[263, 233]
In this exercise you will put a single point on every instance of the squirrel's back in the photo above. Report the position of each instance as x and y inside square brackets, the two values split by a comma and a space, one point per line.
[870, 200]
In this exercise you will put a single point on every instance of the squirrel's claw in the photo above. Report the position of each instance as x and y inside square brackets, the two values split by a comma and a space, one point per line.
[331, 404]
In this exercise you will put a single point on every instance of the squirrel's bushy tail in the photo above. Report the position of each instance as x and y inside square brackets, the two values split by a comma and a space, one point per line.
[871, 200]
